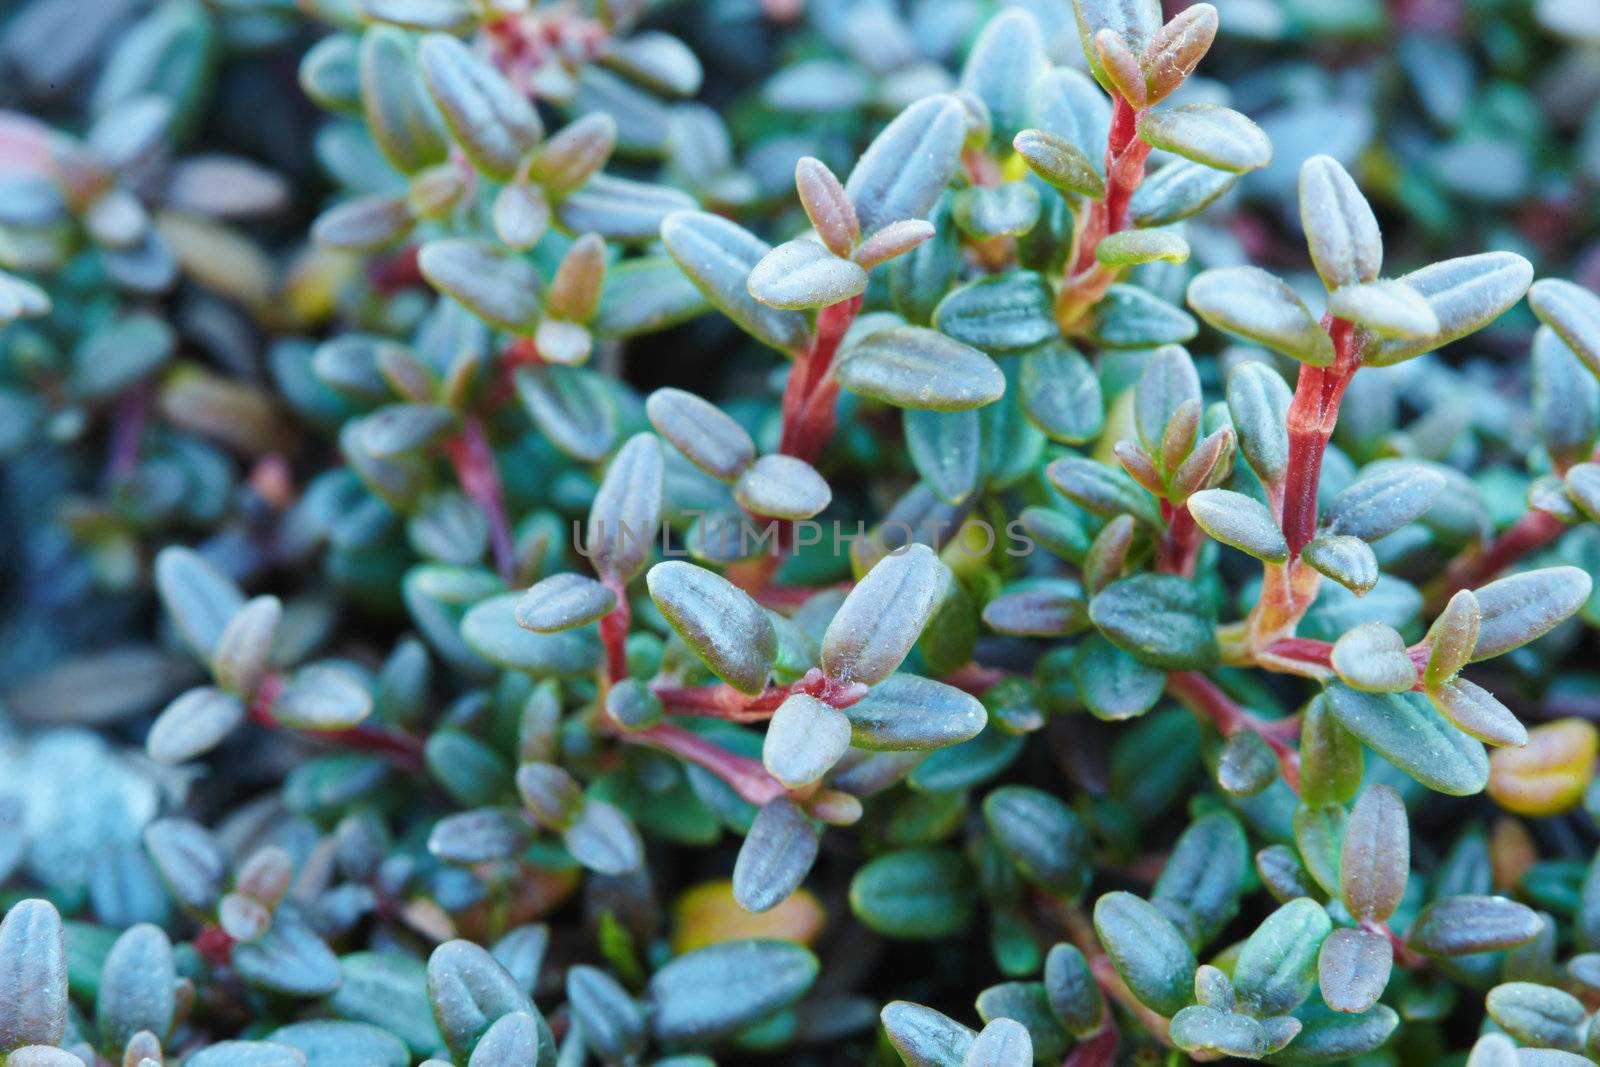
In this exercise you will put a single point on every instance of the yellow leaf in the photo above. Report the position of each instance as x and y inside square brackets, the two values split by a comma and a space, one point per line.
[1548, 775]
[707, 914]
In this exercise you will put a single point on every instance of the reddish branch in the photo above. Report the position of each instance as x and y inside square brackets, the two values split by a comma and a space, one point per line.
[810, 394]
[1312, 415]
[1203, 697]
[746, 776]
[1527, 535]
[1088, 279]
[473, 459]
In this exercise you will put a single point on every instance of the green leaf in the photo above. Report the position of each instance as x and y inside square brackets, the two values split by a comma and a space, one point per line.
[1005, 61]
[1573, 312]
[1207, 133]
[1258, 405]
[1494, 1050]
[563, 602]
[1348, 560]
[1027, 1004]
[1136, 21]
[1204, 876]
[1060, 394]
[500, 288]
[1002, 1043]
[1103, 490]
[193, 725]
[782, 487]
[924, 1037]
[1331, 1037]
[1373, 657]
[1147, 951]
[1112, 683]
[572, 407]
[291, 959]
[494, 124]
[619, 209]
[1160, 619]
[1519, 608]
[1452, 638]
[491, 630]
[334, 1042]
[866, 643]
[1466, 294]
[1382, 501]
[1330, 757]
[719, 622]
[1042, 837]
[802, 273]
[1038, 607]
[1072, 991]
[1202, 1029]
[1168, 383]
[1262, 308]
[1277, 968]
[1177, 191]
[1538, 1015]
[907, 166]
[914, 367]
[1406, 731]
[915, 894]
[626, 514]
[776, 856]
[613, 1024]
[469, 991]
[1131, 317]
[1353, 969]
[945, 448]
[643, 295]
[718, 255]
[805, 738]
[1387, 308]
[707, 436]
[1319, 837]
[399, 114]
[1010, 209]
[1059, 162]
[33, 995]
[389, 991]
[1475, 712]
[1341, 230]
[199, 599]
[446, 16]
[514, 1038]
[603, 839]
[1131, 247]
[246, 1054]
[1465, 924]
[1000, 313]
[910, 713]
[1240, 521]
[1376, 858]
[1246, 764]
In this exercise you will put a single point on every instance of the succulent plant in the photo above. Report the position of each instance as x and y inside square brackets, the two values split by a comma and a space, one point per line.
[921, 532]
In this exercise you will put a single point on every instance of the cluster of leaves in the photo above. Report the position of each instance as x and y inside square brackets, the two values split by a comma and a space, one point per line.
[795, 577]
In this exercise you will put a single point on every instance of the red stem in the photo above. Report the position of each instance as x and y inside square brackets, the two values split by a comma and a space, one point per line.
[1206, 699]
[1533, 531]
[746, 776]
[809, 395]
[614, 632]
[473, 459]
[1311, 418]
